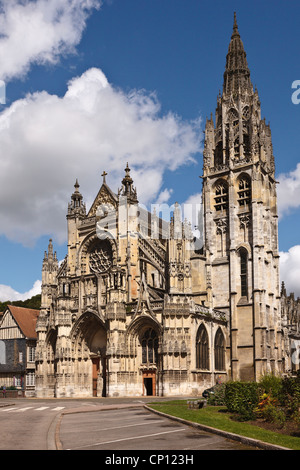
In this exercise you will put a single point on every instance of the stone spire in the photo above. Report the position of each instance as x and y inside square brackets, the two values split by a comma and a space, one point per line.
[50, 262]
[76, 206]
[237, 73]
[127, 186]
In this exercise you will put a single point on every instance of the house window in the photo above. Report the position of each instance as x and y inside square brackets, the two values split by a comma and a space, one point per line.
[31, 354]
[219, 350]
[202, 349]
[221, 196]
[149, 347]
[18, 381]
[244, 273]
[2, 352]
[30, 379]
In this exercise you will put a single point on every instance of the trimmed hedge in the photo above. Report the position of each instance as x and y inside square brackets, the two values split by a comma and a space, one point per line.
[242, 398]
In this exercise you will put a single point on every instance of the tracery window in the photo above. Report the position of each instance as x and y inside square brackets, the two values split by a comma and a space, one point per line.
[202, 349]
[244, 192]
[100, 257]
[219, 350]
[218, 155]
[244, 272]
[246, 145]
[149, 347]
[221, 196]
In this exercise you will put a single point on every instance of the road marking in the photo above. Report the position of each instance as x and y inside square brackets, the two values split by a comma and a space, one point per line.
[128, 439]
[22, 409]
[131, 425]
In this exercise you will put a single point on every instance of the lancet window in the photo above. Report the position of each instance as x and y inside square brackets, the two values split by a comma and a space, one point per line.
[244, 272]
[149, 347]
[219, 350]
[202, 349]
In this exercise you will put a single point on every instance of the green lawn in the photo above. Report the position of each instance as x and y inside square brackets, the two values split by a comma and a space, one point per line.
[217, 417]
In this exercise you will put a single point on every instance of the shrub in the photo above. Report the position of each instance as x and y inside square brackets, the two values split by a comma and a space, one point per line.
[272, 384]
[274, 414]
[242, 398]
[290, 398]
[269, 410]
[218, 397]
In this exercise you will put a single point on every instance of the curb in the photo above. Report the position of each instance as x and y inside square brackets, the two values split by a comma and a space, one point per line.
[235, 437]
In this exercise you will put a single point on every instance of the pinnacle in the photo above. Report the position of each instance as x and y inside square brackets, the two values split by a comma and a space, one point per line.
[237, 74]
[235, 26]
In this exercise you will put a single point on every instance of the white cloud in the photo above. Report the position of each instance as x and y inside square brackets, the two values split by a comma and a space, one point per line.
[39, 32]
[8, 293]
[290, 269]
[48, 141]
[164, 196]
[288, 191]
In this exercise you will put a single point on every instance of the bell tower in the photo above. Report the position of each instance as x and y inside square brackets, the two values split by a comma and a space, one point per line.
[240, 220]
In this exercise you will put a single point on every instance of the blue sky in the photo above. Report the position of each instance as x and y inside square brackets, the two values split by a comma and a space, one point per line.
[93, 84]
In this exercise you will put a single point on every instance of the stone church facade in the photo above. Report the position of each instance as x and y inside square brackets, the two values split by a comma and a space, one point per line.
[138, 308]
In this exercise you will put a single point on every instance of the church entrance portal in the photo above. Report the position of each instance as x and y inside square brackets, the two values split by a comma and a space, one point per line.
[149, 383]
[99, 376]
[90, 340]
[95, 362]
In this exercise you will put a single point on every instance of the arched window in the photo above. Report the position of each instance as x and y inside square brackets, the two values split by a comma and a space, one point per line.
[219, 350]
[218, 155]
[244, 272]
[246, 145]
[149, 347]
[244, 191]
[202, 349]
[221, 196]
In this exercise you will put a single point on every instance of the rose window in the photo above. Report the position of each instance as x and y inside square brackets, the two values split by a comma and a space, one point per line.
[100, 259]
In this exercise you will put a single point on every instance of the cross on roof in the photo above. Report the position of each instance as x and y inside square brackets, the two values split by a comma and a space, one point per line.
[104, 175]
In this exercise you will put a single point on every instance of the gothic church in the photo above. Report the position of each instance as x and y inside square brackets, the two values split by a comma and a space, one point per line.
[135, 309]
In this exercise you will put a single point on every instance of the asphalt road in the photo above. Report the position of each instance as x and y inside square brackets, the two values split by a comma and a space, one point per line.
[99, 424]
[135, 429]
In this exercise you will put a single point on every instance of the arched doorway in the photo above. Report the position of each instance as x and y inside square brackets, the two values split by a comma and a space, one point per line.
[51, 364]
[149, 343]
[90, 339]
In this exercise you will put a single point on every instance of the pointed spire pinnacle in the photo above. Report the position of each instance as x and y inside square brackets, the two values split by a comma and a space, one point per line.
[50, 249]
[76, 200]
[76, 186]
[235, 26]
[76, 196]
[237, 73]
[128, 190]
